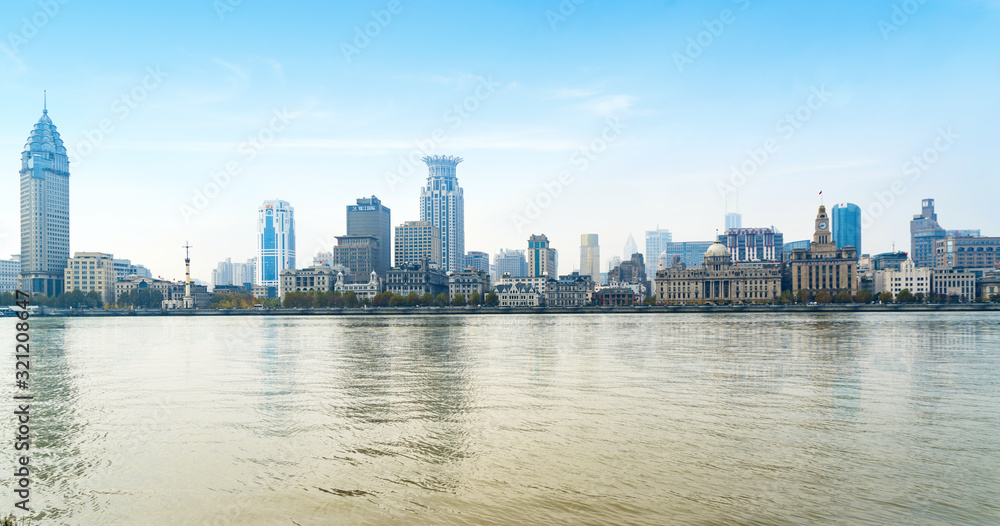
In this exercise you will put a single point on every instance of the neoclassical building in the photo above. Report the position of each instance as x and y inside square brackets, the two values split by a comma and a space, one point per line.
[823, 266]
[718, 279]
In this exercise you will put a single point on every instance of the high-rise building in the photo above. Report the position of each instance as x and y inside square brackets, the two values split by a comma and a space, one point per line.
[754, 244]
[442, 204]
[416, 241]
[924, 231]
[733, 221]
[478, 260]
[613, 262]
[361, 254]
[541, 257]
[590, 256]
[91, 271]
[227, 273]
[9, 270]
[275, 242]
[847, 225]
[630, 248]
[44, 210]
[656, 240]
[370, 218]
[510, 262]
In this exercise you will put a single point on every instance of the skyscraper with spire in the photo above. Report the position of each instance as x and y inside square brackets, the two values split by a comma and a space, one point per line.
[442, 204]
[44, 209]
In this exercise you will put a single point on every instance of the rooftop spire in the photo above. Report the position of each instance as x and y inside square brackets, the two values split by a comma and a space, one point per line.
[45, 102]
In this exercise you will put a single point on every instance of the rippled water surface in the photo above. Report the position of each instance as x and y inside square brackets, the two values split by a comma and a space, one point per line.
[603, 419]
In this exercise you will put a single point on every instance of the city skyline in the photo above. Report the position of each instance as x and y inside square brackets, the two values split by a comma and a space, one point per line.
[151, 126]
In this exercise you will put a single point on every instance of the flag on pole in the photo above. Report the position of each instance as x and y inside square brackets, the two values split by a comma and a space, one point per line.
[820, 192]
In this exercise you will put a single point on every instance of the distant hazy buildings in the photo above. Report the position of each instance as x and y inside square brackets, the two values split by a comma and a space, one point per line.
[511, 262]
[733, 221]
[416, 241]
[228, 273]
[369, 217]
[847, 225]
[44, 210]
[91, 271]
[541, 257]
[656, 241]
[442, 204]
[754, 244]
[630, 248]
[613, 262]
[631, 272]
[590, 256]
[10, 269]
[275, 241]
[824, 267]
[124, 268]
[323, 259]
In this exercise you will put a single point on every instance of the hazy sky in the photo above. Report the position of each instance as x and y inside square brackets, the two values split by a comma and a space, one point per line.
[645, 109]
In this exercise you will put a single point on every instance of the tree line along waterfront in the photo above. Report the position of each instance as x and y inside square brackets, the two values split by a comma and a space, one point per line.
[151, 300]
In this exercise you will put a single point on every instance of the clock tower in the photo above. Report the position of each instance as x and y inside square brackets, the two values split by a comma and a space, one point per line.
[823, 266]
[822, 235]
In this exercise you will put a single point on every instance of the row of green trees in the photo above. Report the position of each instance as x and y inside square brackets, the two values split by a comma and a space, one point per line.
[75, 299]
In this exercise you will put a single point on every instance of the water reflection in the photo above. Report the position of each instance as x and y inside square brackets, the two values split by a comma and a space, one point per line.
[832, 418]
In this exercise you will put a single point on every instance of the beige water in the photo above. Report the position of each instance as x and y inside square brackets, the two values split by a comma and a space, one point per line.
[604, 419]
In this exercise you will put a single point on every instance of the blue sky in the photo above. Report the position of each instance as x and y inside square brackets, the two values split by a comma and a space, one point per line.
[662, 121]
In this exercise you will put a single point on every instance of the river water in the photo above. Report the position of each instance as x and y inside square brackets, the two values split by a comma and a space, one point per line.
[842, 418]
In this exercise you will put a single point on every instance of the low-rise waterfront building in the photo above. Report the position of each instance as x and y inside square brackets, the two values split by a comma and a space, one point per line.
[519, 295]
[573, 290]
[469, 281]
[540, 283]
[988, 286]
[909, 276]
[364, 291]
[615, 296]
[950, 282]
[320, 279]
[91, 271]
[718, 280]
[420, 278]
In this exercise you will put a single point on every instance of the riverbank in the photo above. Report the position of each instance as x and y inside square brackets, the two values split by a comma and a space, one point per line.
[452, 311]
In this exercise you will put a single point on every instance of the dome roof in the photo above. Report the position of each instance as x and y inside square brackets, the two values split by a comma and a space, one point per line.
[717, 249]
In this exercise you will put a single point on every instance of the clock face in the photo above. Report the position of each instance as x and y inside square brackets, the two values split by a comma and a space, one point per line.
[822, 225]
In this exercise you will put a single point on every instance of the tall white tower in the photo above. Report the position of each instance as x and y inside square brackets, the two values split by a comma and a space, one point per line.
[590, 257]
[44, 210]
[442, 204]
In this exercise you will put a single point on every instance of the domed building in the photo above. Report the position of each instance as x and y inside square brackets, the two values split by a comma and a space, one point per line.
[718, 280]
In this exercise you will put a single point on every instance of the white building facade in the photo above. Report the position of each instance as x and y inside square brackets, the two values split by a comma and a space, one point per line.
[909, 276]
[442, 204]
